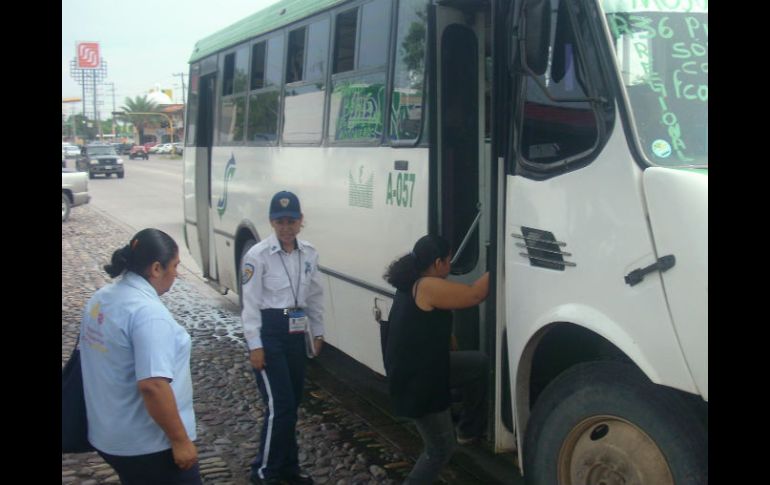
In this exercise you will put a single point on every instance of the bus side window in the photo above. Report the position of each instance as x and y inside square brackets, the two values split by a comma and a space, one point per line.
[407, 103]
[296, 55]
[305, 85]
[232, 106]
[357, 108]
[265, 94]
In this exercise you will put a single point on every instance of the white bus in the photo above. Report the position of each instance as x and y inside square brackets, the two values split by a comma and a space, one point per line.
[559, 144]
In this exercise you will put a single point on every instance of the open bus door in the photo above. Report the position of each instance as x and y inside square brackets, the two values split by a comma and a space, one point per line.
[463, 175]
[197, 167]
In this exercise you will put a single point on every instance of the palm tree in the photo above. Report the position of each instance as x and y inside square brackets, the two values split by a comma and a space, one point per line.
[140, 104]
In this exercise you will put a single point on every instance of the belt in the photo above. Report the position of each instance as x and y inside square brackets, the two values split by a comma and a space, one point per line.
[282, 311]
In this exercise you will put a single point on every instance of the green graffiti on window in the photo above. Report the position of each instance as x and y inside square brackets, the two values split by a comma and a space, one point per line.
[360, 111]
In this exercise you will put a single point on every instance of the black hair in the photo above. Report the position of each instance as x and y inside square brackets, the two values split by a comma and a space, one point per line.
[146, 247]
[404, 271]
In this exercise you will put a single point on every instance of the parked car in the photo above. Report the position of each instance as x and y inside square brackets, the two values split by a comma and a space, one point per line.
[165, 148]
[138, 151]
[100, 159]
[74, 191]
[124, 148]
[159, 148]
[149, 145]
[70, 151]
[178, 148]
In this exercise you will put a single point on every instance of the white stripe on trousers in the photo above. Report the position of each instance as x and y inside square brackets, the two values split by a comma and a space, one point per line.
[271, 410]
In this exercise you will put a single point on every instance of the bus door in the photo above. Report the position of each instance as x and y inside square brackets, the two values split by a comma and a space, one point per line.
[462, 156]
[203, 175]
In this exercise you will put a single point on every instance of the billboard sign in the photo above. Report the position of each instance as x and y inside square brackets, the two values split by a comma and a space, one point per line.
[88, 55]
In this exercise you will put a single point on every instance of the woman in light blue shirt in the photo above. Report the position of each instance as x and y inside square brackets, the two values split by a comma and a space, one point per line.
[136, 368]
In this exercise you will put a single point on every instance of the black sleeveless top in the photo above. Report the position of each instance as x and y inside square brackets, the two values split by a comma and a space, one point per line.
[417, 357]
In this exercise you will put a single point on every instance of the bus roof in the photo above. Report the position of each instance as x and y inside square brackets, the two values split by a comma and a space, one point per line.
[269, 18]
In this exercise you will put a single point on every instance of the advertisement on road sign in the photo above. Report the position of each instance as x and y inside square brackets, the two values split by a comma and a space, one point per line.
[88, 55]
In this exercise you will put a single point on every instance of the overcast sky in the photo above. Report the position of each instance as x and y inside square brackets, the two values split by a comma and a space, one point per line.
[143, 42]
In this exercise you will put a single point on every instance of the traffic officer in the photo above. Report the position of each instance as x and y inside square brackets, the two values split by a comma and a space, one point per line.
[283, 325]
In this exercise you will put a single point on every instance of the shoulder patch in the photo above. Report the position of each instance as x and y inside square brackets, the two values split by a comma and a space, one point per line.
[248, 272]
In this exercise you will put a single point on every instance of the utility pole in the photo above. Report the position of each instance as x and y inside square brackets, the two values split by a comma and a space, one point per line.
[112, 85]
[181, 75]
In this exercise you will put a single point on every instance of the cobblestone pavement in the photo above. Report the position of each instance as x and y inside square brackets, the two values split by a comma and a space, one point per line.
[337, 446]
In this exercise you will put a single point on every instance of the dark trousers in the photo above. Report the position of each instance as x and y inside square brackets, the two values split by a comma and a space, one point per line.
[152, 469]
[280, 382]
[468, 372]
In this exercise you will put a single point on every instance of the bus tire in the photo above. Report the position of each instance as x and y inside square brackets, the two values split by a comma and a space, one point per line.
[606, 422]
[246, 246]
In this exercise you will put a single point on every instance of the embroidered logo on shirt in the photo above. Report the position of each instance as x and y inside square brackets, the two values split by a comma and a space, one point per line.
[248, 272]
[97, 314]
[307, 267]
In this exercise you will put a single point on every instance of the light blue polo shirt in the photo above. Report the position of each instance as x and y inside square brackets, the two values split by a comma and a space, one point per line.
[127, 334]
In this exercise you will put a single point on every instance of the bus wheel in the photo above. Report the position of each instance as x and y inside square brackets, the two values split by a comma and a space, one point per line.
[246, 246]
[606, 423]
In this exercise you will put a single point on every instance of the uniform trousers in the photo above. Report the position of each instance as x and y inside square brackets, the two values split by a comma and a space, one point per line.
[280, 382]
[152, 469]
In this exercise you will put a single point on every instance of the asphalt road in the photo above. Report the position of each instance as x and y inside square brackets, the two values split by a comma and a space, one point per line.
[150, 195]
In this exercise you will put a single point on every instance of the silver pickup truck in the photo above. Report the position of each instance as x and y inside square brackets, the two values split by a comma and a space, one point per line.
[74, 191]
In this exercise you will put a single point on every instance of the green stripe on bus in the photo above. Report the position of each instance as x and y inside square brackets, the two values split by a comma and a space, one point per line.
[266, 20]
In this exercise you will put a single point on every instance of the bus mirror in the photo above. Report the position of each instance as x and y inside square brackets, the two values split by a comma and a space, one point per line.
[537, 34]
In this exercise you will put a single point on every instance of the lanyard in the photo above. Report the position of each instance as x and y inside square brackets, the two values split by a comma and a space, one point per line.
[299, 275]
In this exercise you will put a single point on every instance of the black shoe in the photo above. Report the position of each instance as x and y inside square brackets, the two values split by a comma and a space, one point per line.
[299, 479]
[266, 481]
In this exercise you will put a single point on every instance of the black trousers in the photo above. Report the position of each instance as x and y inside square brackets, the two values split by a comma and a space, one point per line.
[152, 469]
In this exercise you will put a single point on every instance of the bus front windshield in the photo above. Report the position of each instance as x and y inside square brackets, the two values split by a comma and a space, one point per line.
[662, 53]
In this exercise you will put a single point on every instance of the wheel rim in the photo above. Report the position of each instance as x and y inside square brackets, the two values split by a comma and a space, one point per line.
[607, 450]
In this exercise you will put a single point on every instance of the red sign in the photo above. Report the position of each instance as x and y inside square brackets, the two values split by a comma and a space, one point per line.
[88, 55]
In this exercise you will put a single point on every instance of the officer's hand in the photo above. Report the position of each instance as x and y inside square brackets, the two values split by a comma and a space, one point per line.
[257, 358]
[185, 454]
[317, 345]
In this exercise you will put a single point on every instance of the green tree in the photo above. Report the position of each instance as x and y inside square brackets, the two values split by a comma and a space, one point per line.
[140, 104]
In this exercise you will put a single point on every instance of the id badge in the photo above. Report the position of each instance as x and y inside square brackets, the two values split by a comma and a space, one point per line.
[297, 321]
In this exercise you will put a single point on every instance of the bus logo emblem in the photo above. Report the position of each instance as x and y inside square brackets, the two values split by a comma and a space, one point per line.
[229, 173]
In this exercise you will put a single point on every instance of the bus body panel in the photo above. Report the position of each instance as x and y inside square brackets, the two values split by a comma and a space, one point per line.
[598, 212]
[360, 214]
[678, 205]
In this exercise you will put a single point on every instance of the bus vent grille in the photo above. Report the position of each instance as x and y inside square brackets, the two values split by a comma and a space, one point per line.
[543, 250]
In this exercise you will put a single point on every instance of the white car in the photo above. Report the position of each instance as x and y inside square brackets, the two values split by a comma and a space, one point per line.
[165, 148]
[69, 151]
[74, 191]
